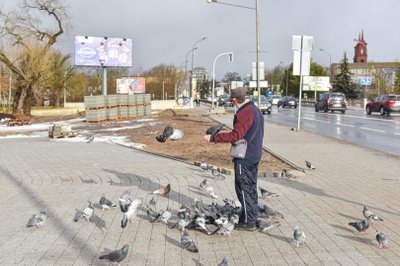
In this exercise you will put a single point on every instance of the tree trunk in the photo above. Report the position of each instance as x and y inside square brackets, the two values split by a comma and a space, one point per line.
[23, 101]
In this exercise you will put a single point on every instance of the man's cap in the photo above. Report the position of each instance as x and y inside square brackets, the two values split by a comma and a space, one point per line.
[239, 92]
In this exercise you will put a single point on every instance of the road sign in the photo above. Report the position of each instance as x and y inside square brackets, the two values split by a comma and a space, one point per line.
[366, 81]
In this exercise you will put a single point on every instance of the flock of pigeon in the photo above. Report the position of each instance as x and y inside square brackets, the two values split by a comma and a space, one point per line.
[212, 219]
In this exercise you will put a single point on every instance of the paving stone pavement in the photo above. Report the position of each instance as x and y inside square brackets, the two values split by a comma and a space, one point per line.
[62, 176]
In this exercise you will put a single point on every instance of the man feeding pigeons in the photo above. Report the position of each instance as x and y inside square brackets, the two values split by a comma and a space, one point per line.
[248, 124]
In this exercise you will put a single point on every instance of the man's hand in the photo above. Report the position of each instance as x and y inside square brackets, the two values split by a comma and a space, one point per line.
[207, 138]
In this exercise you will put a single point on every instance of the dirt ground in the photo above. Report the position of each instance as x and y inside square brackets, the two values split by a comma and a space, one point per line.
[190, 148]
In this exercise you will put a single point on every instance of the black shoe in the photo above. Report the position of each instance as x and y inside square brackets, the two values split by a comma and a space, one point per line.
[244, 226]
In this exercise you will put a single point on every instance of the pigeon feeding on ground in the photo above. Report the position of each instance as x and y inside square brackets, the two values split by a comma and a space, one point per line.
[116, 256]
[217, 174]
[224, 262]
[106, 203]
[309, 165]
[188, 243]
[264, 226]
[267, 194]
[268, 212]
[225, 227]
[37, 219]
[382, 239]
[164, 216]
[361, 226]
[287, 173]
[168, 131]
[86, 213]
[90, 139]
[370, 216]
[299, 236]
[163, 191]
[131, 209]
[208, 189]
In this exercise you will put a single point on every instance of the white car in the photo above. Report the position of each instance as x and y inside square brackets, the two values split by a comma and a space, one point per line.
[275, 99]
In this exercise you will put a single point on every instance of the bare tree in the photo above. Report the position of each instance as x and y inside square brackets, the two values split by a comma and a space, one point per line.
[32, 39]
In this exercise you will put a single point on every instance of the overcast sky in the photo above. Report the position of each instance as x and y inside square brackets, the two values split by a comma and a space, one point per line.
[163, 31]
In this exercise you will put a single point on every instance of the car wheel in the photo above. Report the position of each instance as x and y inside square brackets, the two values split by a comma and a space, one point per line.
[382, 111]
[269, 112]
[325, 109]
[263, 112]
[368, 110]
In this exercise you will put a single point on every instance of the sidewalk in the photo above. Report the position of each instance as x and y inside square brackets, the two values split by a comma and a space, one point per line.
[62, 176]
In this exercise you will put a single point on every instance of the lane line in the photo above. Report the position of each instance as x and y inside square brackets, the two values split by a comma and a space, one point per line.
[373, 129]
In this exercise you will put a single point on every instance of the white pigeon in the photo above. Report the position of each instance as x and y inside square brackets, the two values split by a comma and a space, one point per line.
[165, 215]
[37, 219]
[368, 214]
[309, 165]
[131, 211]
[225, 227]
[86, 213]
[299, 236]
[203, 166]
[209, 190]
[125, 201]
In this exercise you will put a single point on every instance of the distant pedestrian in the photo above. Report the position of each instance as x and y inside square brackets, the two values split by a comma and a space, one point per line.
[248, 123]
[197, 100]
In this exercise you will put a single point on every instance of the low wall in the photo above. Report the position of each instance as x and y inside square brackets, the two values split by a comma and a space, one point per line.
[56, 112]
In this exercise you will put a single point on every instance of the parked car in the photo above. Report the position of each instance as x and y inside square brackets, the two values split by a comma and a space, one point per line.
[209, 98]
[266, 105]
[224, 100]
[331, 101]
[384, 104]
[287, 101]
[275, 99]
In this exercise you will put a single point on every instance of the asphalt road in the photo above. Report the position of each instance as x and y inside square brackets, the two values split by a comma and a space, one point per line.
[374, 131]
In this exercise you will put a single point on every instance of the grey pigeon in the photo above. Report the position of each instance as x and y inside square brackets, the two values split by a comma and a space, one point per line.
[131, 211]
[37, 219]
[382, 239]
[188, 243]
[152, 213]
[267, 194]
[287, 173]
[90, 139]
[204, 183]
[163, 191]
[217, 174]
[116, 256]
[299, 236]
[361, 226]
[264, 226]
[270, 213]
[125, 201]
[225, 227]
[203, 166]
[309, 165]
[224, 262]
[165, 215]
[86, 213]
[106, 203]
[370, 216]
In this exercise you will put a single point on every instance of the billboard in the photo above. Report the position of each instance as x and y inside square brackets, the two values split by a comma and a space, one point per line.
[112, 52]
[131, 85]
[312, 83]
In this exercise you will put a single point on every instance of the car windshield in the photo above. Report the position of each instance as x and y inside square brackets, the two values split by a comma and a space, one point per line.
[394, 97]
[290, 98]
[337, 96]
[255, 98]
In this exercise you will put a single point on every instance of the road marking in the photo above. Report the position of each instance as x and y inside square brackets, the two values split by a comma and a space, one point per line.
[345, 125]
[397, 134]
[322, 121]
[373, 129]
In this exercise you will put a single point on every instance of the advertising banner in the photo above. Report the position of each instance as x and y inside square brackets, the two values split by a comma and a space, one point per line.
[313, 83]
[131, 85]
[106, 51]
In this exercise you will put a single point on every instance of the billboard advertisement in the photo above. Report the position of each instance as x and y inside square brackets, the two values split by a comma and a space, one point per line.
[131, 85]
[95, 51]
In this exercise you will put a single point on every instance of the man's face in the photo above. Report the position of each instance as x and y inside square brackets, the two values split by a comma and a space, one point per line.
[235, 101]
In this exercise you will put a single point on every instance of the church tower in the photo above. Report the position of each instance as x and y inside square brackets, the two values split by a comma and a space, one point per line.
[360, 50]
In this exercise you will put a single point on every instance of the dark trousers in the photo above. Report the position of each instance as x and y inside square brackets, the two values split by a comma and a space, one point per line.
[246, 190]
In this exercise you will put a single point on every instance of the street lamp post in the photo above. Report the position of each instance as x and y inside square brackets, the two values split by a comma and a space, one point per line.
[186, 69]
[257, 41]
[330, 61]
[104, 77]
[213, 74]
[191, 73]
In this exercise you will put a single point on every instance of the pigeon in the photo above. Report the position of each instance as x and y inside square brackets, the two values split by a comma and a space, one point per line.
[217, 174]
[268, 212]
[90, 139]
[267, 194]
[370, 216]
[204, 183]
[309, 165]
[131, 211]
[299, 236]
[116, 256]
[198, 222]
[225, 227]
[203, 166]
[215, 129]
[152, 213]
[163, 191]
[86, 213]
[187, 242]
[287, 173]
[361, 226]
[264, 226]
[106, 203]
[37, 219]
[382, 239]
[124, 202]
[168, 131]
[165, 215]
[224, 262]
[210, 191]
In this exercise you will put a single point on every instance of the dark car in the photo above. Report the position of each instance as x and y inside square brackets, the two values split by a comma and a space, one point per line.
[287, 101]
[384, 104]
[224, 100]
[331, 101]
[266, 106]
